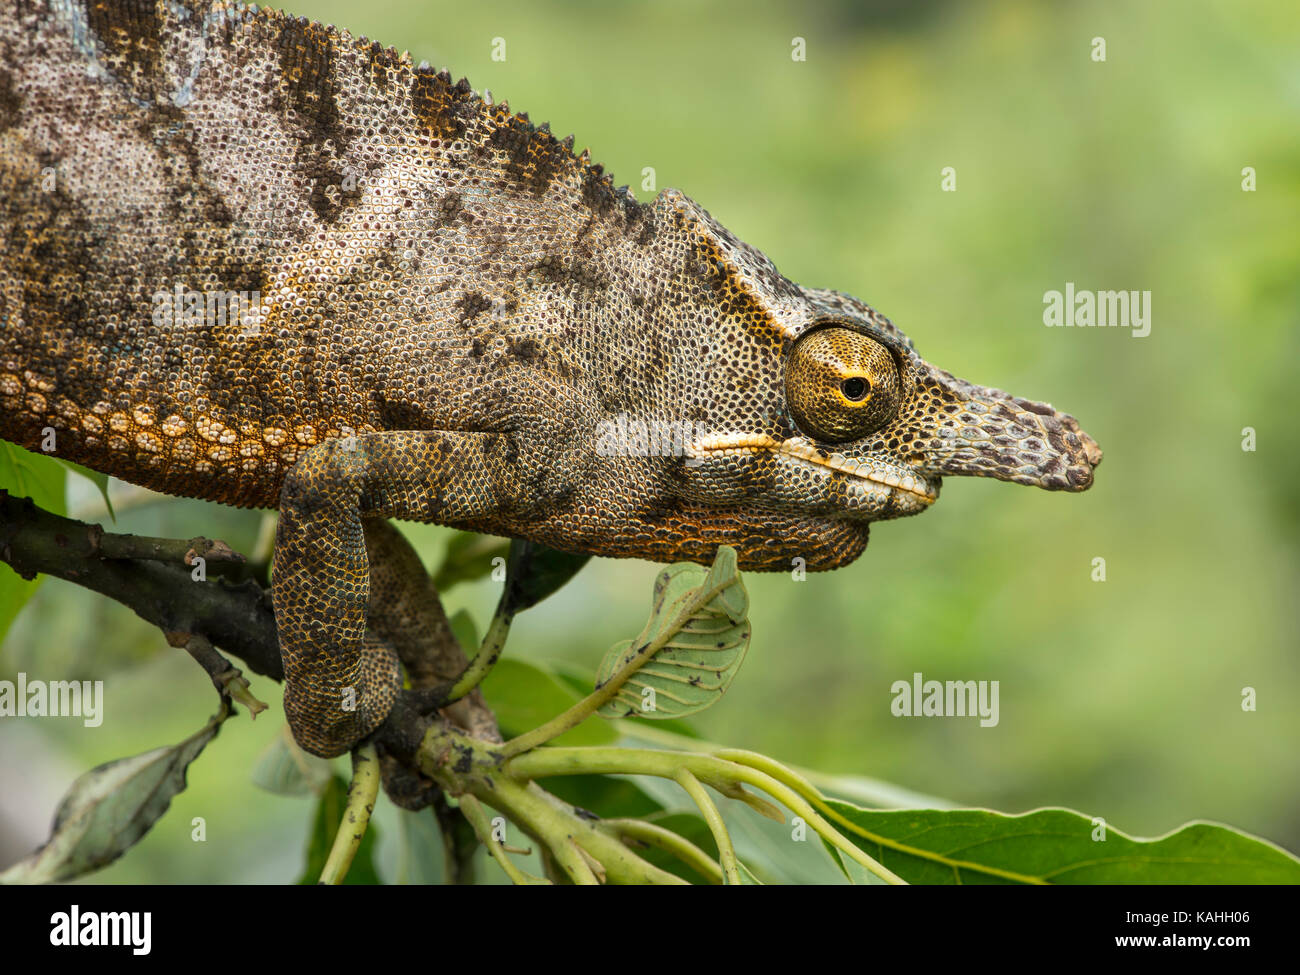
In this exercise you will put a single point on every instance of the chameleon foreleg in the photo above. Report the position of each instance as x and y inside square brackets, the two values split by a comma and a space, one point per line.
[339, 687]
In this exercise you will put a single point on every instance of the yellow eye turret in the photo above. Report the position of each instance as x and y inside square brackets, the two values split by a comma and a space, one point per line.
[841, 385]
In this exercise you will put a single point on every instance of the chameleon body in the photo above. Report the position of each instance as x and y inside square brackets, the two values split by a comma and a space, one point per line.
[427, 308]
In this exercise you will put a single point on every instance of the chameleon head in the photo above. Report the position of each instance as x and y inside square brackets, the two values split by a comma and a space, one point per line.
[804, 415]
[867, 429]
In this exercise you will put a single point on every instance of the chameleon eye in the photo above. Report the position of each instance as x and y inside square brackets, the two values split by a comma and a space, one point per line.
[841, 385]
[855, 388]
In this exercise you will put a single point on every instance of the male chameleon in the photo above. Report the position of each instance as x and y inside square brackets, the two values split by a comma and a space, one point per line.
[259, 261]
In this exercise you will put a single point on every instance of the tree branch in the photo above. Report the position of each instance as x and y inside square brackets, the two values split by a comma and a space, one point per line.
[154, 578]
[236, 617]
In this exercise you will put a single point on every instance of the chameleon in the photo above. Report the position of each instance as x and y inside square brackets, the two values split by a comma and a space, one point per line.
[255, 260]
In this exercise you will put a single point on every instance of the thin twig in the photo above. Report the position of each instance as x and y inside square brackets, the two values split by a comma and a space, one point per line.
[184, 552]
[490, 650]
[654, 835]
[474, 812]
[236, 617]
[228, 679]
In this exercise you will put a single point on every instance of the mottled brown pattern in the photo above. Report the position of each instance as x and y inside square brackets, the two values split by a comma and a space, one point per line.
[454, 307]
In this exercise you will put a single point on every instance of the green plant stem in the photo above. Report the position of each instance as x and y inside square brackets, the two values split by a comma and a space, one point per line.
[472, 810]
[860, 789]
[652, 834]
[356, 815]
[775, 769]
[709, 809]
[562, 846]
[572, 860]
[725, 776]
[594, 701]
[462, 766]
[554, 824]
[488, 654]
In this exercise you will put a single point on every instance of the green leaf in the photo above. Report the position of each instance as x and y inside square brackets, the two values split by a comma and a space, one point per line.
[524, 696]
[608, 796]
[691, 648]
[329, 813]
[421, 857]
[15, 591]
[469, 557]
[579, 679]
[836, 859]
[689, 826]
[99, 480]
[619, 797]
[108, 810]
[465, 631]
[25, 474]
[534, 572]
[977, 846]
[874, 792]
[284, 769]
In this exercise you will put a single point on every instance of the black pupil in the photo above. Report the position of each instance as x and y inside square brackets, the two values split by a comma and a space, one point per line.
[855, 388]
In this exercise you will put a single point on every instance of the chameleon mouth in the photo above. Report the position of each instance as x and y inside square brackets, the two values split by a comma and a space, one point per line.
[895, 478]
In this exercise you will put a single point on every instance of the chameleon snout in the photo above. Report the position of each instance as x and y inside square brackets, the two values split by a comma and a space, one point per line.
[984, 432]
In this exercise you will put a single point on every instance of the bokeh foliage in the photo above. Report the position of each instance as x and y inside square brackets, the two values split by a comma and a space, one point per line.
[1120, 699]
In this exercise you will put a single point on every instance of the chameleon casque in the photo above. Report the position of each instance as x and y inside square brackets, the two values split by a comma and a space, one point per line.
[450, 307]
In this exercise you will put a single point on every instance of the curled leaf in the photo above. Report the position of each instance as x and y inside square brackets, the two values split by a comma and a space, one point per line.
[691, 648]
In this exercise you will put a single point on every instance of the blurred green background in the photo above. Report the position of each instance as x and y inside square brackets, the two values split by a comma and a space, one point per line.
[1121, 698]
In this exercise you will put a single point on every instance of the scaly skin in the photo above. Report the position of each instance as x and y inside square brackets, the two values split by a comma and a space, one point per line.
[455, 312]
